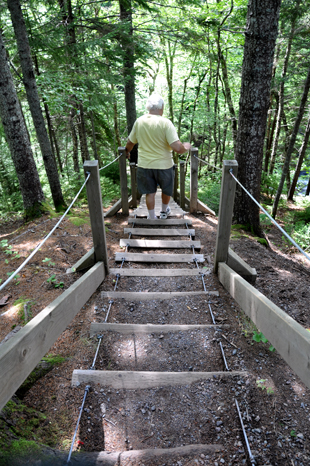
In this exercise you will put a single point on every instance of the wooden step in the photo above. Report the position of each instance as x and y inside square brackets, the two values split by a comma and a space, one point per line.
[159, 272]
[159, 232]
[129, 329]
[132, 380]
[159, 244]
[159, 221]
[146, 296]
[168, 258]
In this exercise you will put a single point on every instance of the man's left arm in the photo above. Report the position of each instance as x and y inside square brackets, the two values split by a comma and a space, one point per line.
[128, 148]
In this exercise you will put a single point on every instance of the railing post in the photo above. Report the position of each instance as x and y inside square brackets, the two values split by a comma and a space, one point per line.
[133, 178]
[228, 189]
[96, 212]
[176, 182]
[182, 184]
[194, 180]
[123, 180]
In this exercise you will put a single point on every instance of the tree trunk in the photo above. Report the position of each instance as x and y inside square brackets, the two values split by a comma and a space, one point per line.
[281, 93]
[129, 69]
[227, 91]
[34, 101]
[289, 151]
[82, 134]
[18, 140]
[260, 38]
[94, 143]
[302, 153]
[75, 154]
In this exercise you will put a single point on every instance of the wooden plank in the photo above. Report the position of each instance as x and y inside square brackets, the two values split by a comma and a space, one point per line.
[159, 232]
[290, 339]
[241, 267]
[142, 380]
[204, 208]
[123, 180]
[128, 329]
[94, 197]
[228, 188]
[85, 262]
[20, 355]
[166, 222]
[159, 244]
[148, 257]
[158, 272]
[146, 296]
[194, 180]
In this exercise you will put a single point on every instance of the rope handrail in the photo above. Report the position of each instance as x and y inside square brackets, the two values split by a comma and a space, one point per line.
[102, 168]
[272, 219]
[44, 240]
[207, 163]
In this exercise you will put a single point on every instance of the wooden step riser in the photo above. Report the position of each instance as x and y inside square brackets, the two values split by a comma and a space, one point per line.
[143, 380]
[129, 329]
[159, 222]
[141, 296]
[159, 272]
[159, 244]
[158, 232]
[149, 257]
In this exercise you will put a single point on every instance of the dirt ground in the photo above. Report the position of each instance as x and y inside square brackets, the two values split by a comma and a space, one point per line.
[274, 403]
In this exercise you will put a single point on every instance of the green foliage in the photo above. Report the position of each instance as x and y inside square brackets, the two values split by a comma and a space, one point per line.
[52, 281]
[210, 190]
[270, 183]
[259, 337]
[298, 226]
[261, 384]
[48, 262]
[262, 241]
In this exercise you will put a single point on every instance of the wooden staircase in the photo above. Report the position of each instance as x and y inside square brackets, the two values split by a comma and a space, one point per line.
[186, 266]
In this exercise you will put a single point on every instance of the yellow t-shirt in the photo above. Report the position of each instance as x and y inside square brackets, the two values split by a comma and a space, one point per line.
[154, 133]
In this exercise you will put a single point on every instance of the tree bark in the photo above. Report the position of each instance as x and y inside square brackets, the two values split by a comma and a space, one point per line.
[260, 38]
[302, 153]
[129, 69]
[75, 154]
[34, 101]
[290, 149]
[82, 134]
[17, 138]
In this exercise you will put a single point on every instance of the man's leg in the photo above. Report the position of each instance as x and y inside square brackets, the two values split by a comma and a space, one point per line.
[150, 204]
[165, 202]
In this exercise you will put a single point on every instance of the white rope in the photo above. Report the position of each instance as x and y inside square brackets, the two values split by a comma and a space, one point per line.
[207, 163]
[272, 219]
[110, 163]
[46, 237]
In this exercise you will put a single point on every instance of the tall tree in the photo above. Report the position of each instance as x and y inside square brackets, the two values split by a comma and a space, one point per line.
[260, 38]
[17, 138]
[126, 39]
[34, 101]
[291, 145]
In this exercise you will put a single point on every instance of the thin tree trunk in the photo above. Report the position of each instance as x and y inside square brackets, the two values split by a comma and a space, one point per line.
[227, 90]
[18, 140]
[34, 101]
[129, 69]
[289, 151]
[281, 94]
[308, 188]
[82, 134]
[183, 96]
[115, 118]
[260, 38]
[216, 86]
[270, 135]
[75, 153]
[94, 143]
[302, 153]
[198, 88]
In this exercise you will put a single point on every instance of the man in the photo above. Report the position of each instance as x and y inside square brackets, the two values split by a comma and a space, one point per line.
[157, 137]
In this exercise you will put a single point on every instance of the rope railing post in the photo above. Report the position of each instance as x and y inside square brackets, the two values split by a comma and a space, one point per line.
[228, 189]
[194, 180]
[182, 185]
[176, 182]
[133, 177]
[96, 212]
[123, 180]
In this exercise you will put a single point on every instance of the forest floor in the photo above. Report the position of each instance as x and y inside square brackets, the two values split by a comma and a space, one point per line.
[275, 404]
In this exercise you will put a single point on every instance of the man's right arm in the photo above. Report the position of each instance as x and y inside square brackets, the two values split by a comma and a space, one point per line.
[180, 148]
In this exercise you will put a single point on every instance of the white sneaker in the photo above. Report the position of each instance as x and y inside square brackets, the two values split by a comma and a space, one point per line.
[164, 215]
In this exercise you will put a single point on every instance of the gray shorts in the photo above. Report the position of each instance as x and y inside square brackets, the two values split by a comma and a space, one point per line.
[149, 178]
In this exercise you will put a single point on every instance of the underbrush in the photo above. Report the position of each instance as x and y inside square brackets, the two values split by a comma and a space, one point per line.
[209, 187]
